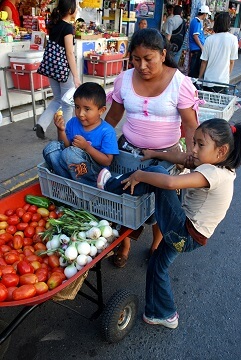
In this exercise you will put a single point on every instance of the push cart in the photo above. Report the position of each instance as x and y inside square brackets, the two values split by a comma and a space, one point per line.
[216, 104]
[118, 315]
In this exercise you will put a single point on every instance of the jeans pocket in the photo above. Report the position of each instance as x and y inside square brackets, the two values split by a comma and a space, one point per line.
[177, 241]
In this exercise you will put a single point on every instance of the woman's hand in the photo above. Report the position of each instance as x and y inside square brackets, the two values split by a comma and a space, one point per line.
[148, 154]
[77, 81]
[132, 181]
[189, 162]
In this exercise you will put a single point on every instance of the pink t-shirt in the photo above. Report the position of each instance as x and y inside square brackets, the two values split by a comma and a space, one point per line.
[154, 122]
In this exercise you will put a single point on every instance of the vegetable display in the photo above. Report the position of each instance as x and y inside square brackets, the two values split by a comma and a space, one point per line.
[42, 245]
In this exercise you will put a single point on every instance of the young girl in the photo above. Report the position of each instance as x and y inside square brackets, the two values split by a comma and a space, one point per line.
[187, 226]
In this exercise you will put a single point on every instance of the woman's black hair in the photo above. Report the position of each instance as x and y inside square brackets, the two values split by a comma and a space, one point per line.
[222, 22]
[151, 39]
[221, 132]
[63, 8]
[91, 91]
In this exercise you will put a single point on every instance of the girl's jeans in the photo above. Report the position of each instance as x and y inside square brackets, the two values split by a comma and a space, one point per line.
[58, 89]
[60, 158]
[171, 220]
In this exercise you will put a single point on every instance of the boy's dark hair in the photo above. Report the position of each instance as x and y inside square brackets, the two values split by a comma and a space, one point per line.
[222, 22]
[221, 132]
[177, 10]
[63, 8]
[91, 91]
[151, 39]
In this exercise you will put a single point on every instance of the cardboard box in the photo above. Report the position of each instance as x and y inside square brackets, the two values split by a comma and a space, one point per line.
[97, 63]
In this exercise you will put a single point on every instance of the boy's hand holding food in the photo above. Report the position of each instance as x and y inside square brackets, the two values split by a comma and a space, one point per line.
[59, 120]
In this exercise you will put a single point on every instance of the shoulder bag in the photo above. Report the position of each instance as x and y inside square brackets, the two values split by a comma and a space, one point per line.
[177, 37]
[54, 64]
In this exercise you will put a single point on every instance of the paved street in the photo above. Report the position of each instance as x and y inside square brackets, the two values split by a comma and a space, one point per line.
[206, 285]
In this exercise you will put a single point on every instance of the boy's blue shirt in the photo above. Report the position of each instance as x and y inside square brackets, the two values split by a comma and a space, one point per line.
[103, 137]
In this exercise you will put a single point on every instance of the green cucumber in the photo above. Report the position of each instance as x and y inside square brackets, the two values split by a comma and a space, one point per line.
[39, 201]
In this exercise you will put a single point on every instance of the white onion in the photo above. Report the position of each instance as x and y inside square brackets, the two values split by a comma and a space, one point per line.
[115, 233]
[93, 233]
[70, 271]
[55, 242]
[81, 260]
[89, 259]
[106, 231]
[100, 244]
[93, 250]
[71, 252]
[82, 234]
[83, 248]
[103, 223]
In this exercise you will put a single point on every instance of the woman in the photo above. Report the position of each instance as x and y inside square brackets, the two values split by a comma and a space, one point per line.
[157, 99]
[10, 6]
[61, 31]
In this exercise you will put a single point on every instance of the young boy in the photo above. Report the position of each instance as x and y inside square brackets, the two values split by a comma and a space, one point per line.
[87, 143]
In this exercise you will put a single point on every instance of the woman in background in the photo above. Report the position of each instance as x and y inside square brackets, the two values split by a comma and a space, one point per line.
[61, 31]
[10, 6]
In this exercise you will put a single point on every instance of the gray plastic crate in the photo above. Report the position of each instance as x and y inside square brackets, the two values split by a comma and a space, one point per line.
[130, 211]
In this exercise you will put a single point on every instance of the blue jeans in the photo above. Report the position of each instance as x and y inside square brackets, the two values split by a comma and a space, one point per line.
[58, 89]
[60, 158]
[171, 220]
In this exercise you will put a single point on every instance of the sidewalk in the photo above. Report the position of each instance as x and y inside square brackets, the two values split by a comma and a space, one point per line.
[21, 150]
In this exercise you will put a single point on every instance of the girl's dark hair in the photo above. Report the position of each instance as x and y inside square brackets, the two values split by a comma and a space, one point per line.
[91, 91]
[151, 39]
[221, 132]
[63, 8]
[222, 22]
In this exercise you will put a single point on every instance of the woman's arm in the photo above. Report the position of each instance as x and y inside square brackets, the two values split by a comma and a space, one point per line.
[115, 113]
[173, 157]
[189, 124]
[202, 68]
[68, 43]
[9, 11]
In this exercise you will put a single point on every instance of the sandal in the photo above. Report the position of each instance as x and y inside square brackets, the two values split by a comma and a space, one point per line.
[120, 260]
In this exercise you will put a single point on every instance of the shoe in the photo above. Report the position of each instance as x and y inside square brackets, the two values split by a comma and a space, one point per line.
[39, 132]
[120, 260]
[171, 323]
[102, 179]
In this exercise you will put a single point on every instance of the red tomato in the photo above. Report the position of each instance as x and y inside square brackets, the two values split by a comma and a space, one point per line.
[24, 292]
[20, 211]
[33, 208]
[27, 251]
[29, 231]
[42, 274]
[27, 241]
[36, 265]
[7, 269]
[55, 280]
[27, 217]
[34, 257]
[19, 233]
[41, 287]
[10, 280]
[53, 261]
[26, 207]
[37, 238]
[3, 292]
[22, 226]
[42, 223]
[3, 217]
[17, 242]
[39, 246]
[6, 237]
[11, 257]
[51, 207]
[10, 293]
[2, 262]
[39, 229]
[5, 248]
[53, 215]
[33, 224]
[9, 212]
[24, 267]
[28, 279]
[43, 212]
[11, 229]
[13, 220]
[36, 217]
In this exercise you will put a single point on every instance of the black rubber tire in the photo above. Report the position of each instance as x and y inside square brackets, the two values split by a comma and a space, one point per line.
[119, 316]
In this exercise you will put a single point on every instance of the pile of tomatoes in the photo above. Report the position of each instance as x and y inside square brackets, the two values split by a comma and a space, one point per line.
[24, 271]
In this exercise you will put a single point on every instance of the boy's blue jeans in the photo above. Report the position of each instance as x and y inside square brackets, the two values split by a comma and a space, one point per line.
[171, 220]
[60, 158]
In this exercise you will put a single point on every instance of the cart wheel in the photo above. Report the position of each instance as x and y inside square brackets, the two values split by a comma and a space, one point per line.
[4, 346]
[119, 316]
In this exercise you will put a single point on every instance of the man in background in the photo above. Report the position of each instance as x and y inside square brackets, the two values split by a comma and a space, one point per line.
[196, 40]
